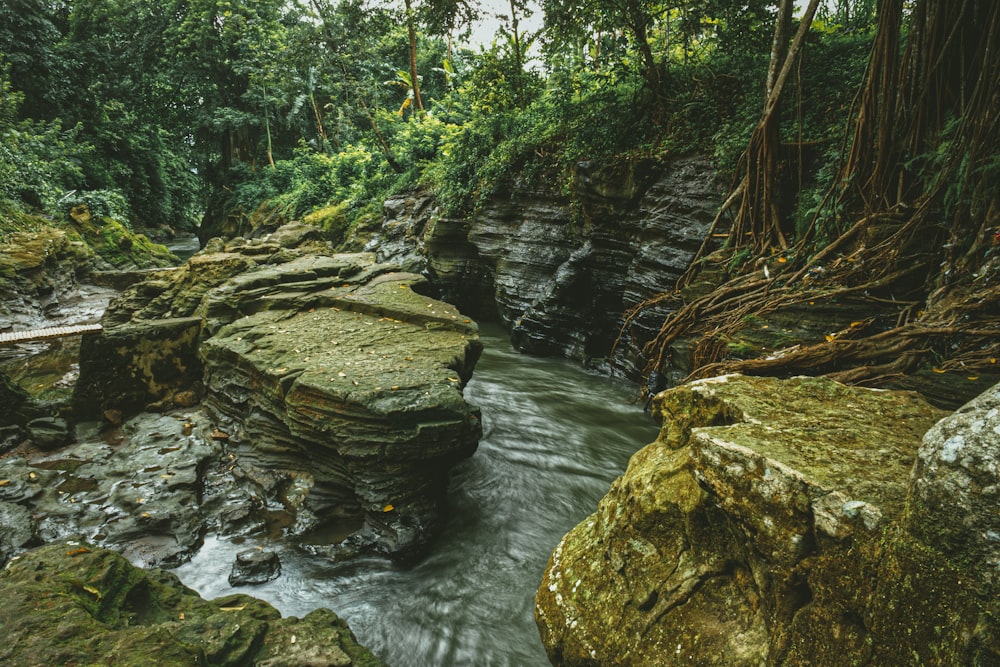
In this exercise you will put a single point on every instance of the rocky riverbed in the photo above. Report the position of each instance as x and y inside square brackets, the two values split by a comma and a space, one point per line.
[266, 386]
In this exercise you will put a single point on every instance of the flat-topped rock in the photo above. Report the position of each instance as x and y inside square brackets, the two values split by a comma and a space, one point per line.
[763, 528]
[838, 456]
[335, 382]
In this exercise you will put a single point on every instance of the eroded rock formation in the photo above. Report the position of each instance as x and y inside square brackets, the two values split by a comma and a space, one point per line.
[560, 277]
[765, 527]
[335, 384]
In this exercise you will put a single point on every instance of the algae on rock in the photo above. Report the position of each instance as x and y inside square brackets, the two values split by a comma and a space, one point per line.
[336, 382]
[73, 603]
[763, 527]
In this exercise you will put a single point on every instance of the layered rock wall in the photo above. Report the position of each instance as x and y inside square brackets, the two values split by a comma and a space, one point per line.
[558, 274]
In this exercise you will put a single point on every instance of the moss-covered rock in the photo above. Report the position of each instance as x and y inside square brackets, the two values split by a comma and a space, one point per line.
[337, 382]
[117, 244]
[78, 604]
[763, 527]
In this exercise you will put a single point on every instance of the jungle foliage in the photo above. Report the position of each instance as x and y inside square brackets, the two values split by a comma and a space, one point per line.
[179, 112]
[860, 135]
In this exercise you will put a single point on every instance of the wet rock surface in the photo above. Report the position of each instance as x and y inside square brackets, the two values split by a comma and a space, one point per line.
[255, 566]
[764, 527]
[140, 488]
[954, 502]
[335, 384]
[560, 279]
[73, 603]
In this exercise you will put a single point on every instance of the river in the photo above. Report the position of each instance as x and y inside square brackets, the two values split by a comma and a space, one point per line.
[555, 436]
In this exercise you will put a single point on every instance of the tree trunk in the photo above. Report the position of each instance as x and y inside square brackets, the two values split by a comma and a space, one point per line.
[759, 221]
[779, 44]
[636, 21]
[411, 30]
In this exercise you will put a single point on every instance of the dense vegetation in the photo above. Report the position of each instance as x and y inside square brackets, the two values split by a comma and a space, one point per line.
[177, 112]
[861, 143]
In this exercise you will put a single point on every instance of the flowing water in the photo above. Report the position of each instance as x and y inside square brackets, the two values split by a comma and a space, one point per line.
[554, 439]
[183, 246]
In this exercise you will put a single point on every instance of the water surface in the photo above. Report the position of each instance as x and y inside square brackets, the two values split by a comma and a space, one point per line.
[554, 438]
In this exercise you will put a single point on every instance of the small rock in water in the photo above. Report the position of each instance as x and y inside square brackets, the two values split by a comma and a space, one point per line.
[255, 566]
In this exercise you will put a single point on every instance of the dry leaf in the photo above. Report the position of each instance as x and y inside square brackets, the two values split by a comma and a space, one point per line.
[388, 508]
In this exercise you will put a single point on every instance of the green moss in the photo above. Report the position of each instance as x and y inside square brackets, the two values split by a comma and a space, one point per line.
[117, 244]
[332, 220]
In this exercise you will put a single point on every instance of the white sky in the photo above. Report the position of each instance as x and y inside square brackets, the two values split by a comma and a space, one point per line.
[483, 32]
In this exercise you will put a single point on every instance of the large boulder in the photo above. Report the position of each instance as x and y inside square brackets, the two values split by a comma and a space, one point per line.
[335, 383]
[76, 604]
[954, 503]
[763, 528]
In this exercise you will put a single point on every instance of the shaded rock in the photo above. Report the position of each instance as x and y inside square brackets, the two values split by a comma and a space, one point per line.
[78, 604]
[17, 528]
[49, 432]
[129, 368]
[762, 528]
[37, 271]
[954, 503]
[361, 398]
[255, 566]
[18, 406]
[140, 489]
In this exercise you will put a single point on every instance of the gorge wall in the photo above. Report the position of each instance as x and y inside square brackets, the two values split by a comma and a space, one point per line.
[560, 274]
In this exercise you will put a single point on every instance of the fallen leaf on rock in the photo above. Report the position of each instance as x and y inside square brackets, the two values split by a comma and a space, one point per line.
[219, 435]
[239, 608]
[77, 552]
[4, 482]
[388, 508]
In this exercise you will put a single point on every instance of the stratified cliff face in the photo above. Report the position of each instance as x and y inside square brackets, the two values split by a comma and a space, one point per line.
[561, 276]
[777, 522]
